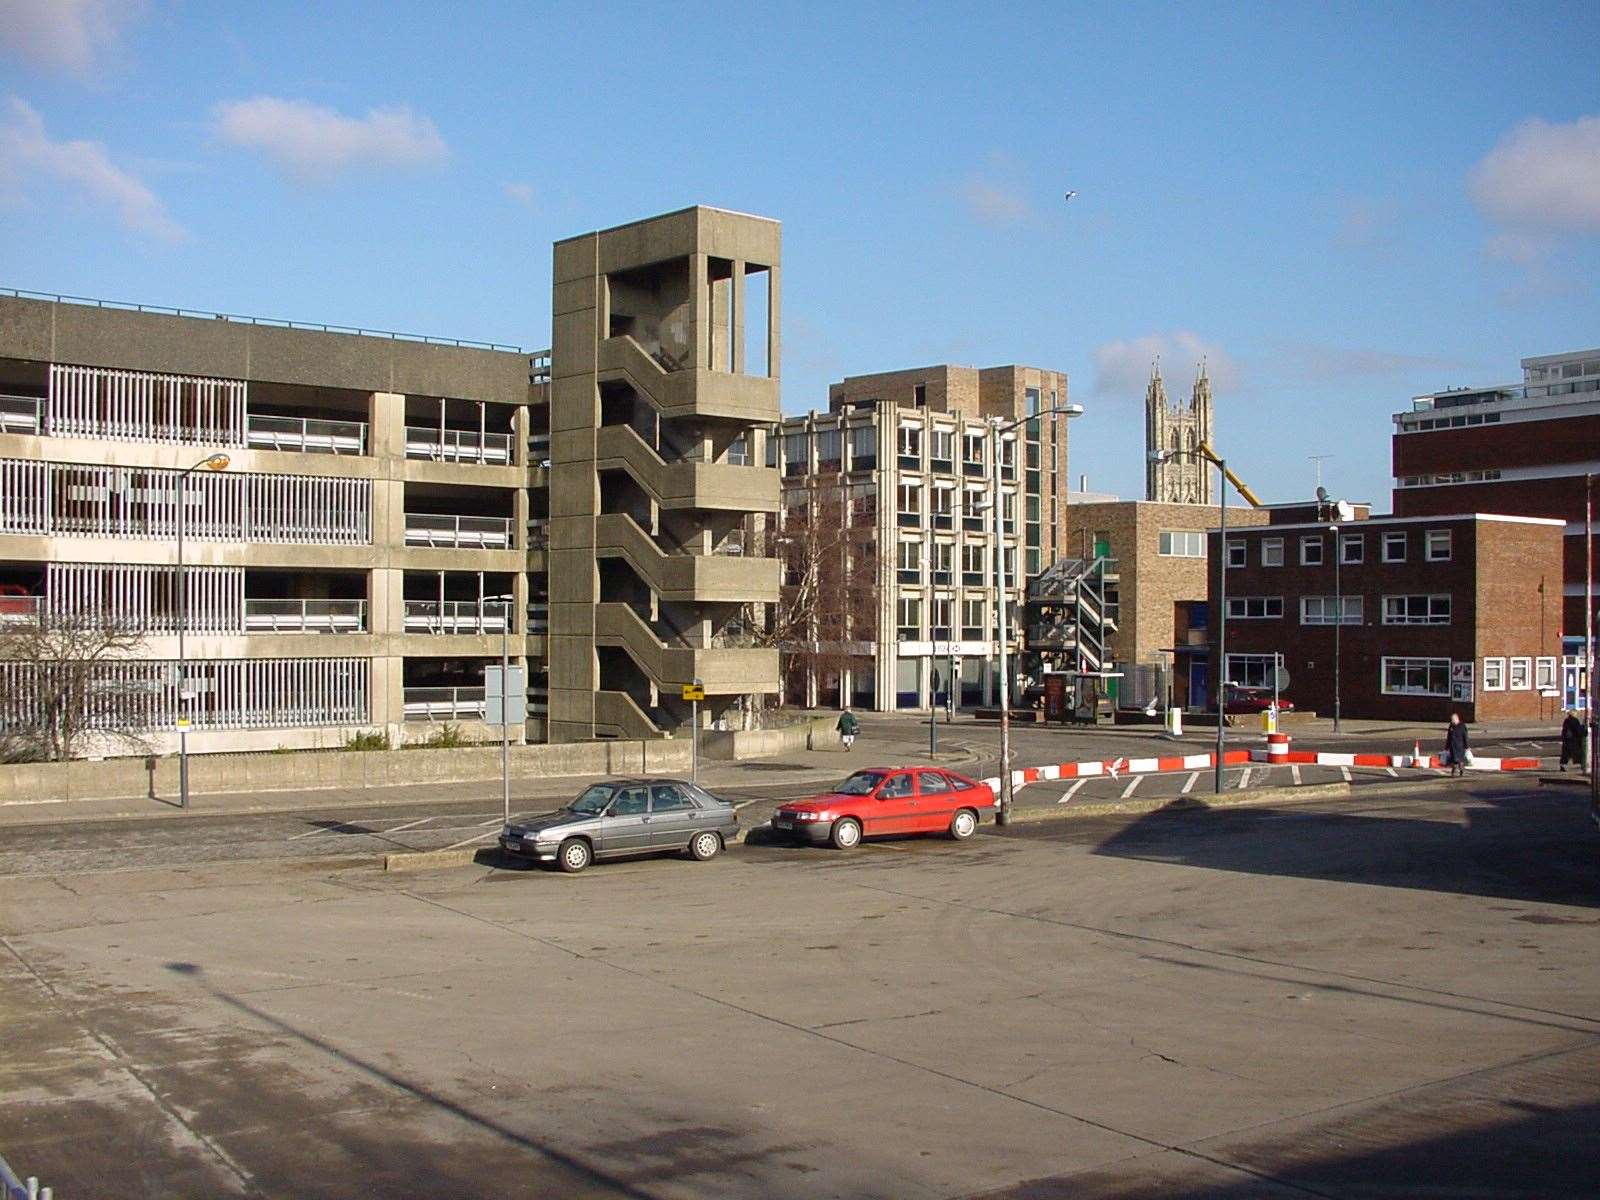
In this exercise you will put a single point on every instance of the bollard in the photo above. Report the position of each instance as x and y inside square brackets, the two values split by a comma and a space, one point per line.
[1277, 747]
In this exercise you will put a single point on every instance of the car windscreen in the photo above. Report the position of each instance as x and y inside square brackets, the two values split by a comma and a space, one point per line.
[593, 801]
[859, 784]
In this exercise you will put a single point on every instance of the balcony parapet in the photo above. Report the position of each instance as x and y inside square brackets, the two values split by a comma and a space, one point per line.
[693, 391]
[705, 578]
[688, 484]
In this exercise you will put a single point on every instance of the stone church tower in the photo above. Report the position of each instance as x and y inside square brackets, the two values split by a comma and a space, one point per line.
[1186, 479]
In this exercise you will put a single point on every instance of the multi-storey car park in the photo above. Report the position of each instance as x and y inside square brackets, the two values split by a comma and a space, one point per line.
[391, 504]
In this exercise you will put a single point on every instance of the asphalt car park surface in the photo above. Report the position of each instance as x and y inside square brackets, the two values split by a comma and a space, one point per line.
[1390, 994]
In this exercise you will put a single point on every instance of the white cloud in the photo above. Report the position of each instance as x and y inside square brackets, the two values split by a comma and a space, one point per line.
[1543, 176]
[993, 203]
[64, 35]
[1122, 367]
[312, 143]
[27, 154]
[522, 193]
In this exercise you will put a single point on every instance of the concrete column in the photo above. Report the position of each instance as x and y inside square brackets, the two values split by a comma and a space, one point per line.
[388, 697]
[519, 436]
[386, 432]
[773, 324]
[519, 518]
[738, 317]
[700, 307]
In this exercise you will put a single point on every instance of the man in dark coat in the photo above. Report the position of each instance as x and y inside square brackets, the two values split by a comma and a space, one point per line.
[847, 726]
[1572, 741]
[1455, 744]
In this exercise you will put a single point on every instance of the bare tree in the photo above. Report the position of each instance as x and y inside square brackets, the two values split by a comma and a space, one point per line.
[61, 687]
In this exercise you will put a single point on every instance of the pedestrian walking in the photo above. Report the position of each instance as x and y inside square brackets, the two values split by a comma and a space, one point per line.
[1456, 750]
[848, 727]
[1572, 741]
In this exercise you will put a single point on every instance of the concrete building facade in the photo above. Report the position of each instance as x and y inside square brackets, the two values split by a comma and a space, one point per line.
[396, 512]
[1433, 614]
[911, 454]
[1523, 448]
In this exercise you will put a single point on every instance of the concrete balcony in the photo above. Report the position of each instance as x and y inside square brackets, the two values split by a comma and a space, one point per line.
[454, 617]
[670, 664]
[305, 616]
[471, 533]
[708, 578]
[680, 485]
[457, 445]
[693, 391]
[303, 435]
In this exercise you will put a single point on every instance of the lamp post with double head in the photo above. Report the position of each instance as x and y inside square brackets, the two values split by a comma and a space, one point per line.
[997, 432]
[1220, 685]
[212, 462]
[1338, 617]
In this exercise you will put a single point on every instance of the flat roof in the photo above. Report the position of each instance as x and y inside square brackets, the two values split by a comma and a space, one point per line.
[1498, 518]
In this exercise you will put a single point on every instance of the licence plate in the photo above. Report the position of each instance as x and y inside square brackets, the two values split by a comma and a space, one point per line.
[513, 844]
[781, 824]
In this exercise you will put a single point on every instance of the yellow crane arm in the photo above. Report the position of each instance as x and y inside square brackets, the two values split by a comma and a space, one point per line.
[1242, 487]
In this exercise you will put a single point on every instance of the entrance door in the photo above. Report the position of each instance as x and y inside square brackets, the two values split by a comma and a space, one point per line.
[1572, 683]
[1199, 684]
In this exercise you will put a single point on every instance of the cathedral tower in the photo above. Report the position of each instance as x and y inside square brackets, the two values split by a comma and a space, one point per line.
[1185, 479]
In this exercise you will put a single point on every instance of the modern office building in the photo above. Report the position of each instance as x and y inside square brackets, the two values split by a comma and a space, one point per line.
[908, 456]
[392, 510]
[1524, 448]
[1403, 618]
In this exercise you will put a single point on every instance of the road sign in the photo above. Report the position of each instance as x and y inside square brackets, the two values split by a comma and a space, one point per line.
[694, 691]
[505, 696]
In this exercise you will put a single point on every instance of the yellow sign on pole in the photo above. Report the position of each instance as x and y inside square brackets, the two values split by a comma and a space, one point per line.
[694, 691]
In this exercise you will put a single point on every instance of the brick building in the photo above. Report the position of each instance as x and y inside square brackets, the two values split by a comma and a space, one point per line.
[1518, 448]
[1434, 614]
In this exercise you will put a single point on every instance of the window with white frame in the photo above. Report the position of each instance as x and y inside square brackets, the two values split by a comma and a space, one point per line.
[1311, 551]
[941, 444]
[1330, 610]
[830, 449]
[909, 500]
[1272, 552]
[1254, 608]
[909, 562]
[1236, 553]
[1352, 548]
[863, 447]
[1494, 674]
[908, 444]
[944, 556]
[972, 564]
[1544, 674]
[909, 611]
[1416, 677]
[973, 626]
[1437, 545]
[1521, 674]
[1417, 610]
[1182, 543]
[1252, 670]
[1394, 546]
[972, 448]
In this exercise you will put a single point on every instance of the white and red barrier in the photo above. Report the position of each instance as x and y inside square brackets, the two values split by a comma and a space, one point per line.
[1277, 753]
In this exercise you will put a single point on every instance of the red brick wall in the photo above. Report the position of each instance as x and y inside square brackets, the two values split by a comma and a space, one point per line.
[1561, 498]
[1519, 605]
[1503, 444]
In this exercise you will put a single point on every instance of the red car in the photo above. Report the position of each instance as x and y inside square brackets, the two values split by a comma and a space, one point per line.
[887, 800]
[1241, 699]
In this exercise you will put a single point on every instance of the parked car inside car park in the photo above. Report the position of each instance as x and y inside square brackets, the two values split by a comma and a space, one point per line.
[626, 817]
[887, 800]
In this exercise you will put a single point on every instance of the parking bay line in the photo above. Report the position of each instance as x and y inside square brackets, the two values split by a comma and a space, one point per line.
[354, 824]
[1189, 782]
[1073, 790]
[1133, 786]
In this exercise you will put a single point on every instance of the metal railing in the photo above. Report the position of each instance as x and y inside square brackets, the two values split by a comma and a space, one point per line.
[306, 434]
[479, 533]
[454, 616]
[305, 616]
[444, 703]
[19, 414]
[539, 450]
[164, 310]
[20, 610]
[457, 445]
[13, 1188]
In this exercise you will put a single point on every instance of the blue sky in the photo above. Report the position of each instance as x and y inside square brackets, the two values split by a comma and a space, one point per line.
[1340, 206]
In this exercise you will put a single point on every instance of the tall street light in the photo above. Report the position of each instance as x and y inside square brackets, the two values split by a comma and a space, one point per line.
[1220, 684]
[212, 462]
[1338, 617]
[997, 431]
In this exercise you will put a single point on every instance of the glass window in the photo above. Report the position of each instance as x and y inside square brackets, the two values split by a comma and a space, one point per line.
[1416, 676]
[630, 802]
[1352, 548]
[1394, 547]
[933, 783]
[1311, 551]
[1182, 543]
[1326, 610]
[910, 612]
[942, 444]
[1254, 608]
[1272, 552]
[909, 443]
[1521, 674]
[1236, 553]
[1494, 674]
[593, 800]
[859, 784]
[1544, 674]
[829, 449]
[898, 785]
[1251, 670]
[667, 797]
[1438, 545]
[1416, 610]
[863, 448]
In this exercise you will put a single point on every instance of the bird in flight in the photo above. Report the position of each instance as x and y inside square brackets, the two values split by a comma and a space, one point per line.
[1070, 195]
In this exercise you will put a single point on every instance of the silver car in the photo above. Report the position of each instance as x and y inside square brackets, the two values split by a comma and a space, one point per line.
[625, 817]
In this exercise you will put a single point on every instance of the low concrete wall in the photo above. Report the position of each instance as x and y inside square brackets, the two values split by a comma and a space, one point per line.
[817, 733]
[132, 778]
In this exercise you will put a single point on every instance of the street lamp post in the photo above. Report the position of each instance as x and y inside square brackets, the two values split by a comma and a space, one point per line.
[1220, 684]
[212, 462]
[997, 431]
[1338, 618]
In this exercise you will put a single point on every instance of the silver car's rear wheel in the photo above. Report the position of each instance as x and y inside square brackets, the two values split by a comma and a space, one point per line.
[704, 845]
[963, 825]
[574, 855]
[846, 834]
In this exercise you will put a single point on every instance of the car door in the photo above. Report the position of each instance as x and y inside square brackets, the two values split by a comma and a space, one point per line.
[672, 817]
[626, 826]
[894, 806]
[936, 800]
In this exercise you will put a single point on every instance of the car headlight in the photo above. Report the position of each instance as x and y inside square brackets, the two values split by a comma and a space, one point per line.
[547, 835]
[809, 816]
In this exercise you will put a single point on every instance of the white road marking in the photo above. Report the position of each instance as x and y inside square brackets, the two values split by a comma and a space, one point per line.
[1345, 771]
[1294, 769]
[1244, 778]
[1189, 783]
[1133, 786]
[470, 840]
[362, 824]
[1393, 774]
[1072, 791]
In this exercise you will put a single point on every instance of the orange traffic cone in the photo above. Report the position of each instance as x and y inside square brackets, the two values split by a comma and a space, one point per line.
[1416, 753]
